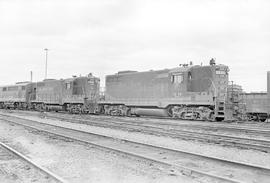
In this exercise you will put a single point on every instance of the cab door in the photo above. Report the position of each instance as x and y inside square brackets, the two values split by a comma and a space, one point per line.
[177, 80]
[31, 92]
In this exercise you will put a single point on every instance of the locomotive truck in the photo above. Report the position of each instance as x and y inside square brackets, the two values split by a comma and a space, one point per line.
[187, 92]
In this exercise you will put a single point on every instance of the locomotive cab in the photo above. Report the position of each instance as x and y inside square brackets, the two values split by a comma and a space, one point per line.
[204, 87]
[81, 94]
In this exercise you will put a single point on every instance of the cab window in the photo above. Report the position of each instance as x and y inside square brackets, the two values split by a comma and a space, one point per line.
[177, 78]
[77, 89]
[219, 72]
[189, 76]
[68, 86]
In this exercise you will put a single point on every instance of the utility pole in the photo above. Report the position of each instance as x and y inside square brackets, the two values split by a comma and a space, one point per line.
[46, 57]
[31, 76]
[232, 92]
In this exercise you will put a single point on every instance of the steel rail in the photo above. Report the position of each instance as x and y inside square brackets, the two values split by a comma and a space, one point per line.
[249, 143]
[212, 125]
[199, 125]
[192, 170]
[34, 164]
[195, 124]
[175, 121]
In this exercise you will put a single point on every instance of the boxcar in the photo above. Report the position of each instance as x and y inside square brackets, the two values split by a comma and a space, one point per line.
[186, 92]
[256, 105]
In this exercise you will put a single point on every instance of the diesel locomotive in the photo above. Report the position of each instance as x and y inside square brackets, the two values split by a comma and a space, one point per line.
[76, 95]
[195, 92]
[187, 92]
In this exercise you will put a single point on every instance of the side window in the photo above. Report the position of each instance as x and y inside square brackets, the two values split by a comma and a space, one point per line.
[177, 78]
[23, 87]
[5, 89]
[77, 89]
[220, 72]
[189, 76]
[68, 86]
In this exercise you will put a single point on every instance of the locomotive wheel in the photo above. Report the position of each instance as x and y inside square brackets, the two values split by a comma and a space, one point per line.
[128, 112]
[211, 117]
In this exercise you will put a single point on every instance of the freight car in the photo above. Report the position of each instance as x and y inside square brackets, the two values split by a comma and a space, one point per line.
[256, 105]
[76, 95]
[186, 92]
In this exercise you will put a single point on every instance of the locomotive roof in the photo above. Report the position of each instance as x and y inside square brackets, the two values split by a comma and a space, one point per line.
[136, 72]
[176, 69]
[181, 69]
[69, 79]
[17, 84]
[24, 83]
[66, 80]
[80, 77]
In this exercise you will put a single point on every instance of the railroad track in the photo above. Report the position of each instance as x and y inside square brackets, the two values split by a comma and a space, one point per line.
[234, 141]
[251, 128]
[193, 164]
[161, 129]
[263, 129]
[50, 176]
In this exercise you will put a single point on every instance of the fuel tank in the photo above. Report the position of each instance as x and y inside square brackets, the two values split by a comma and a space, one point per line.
[54, 107]
[149, 112]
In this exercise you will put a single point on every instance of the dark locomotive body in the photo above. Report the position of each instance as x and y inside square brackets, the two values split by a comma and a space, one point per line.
[14, 96]
[76, 95]
[188, 92]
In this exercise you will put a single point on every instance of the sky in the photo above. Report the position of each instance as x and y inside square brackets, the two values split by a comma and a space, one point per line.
[107, 36]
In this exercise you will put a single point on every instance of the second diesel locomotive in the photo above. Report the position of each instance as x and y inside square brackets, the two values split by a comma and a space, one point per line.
[76, 95]
[188, 92]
